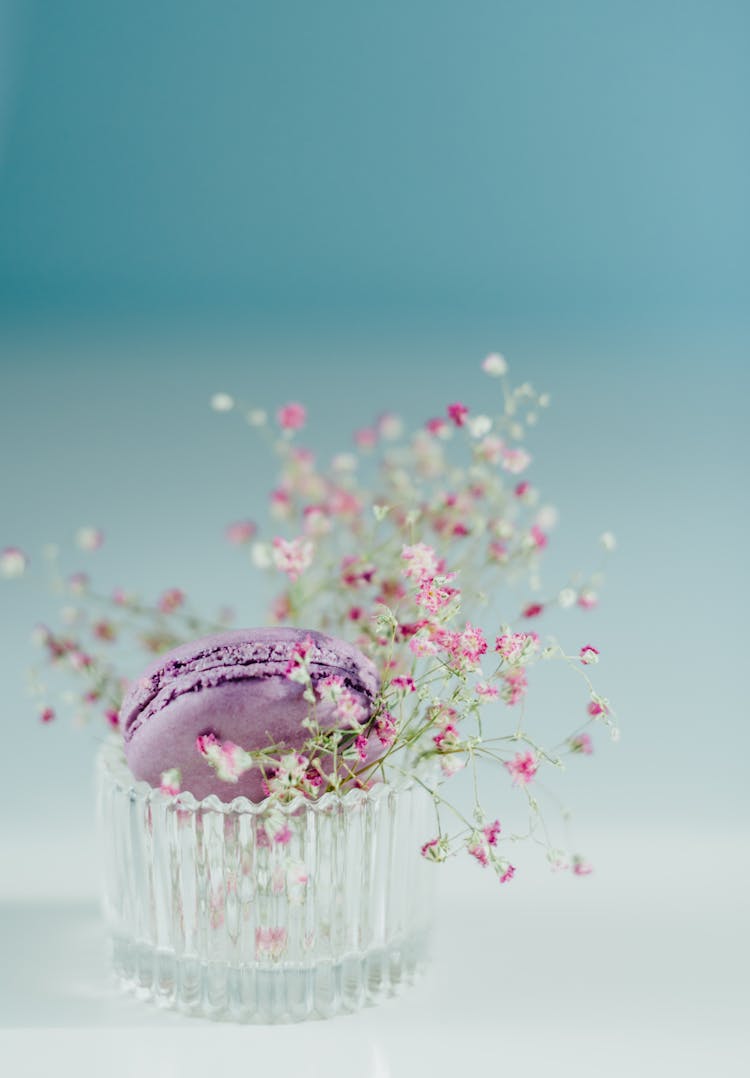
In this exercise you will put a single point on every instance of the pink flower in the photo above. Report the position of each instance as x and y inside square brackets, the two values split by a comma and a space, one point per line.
[435, 594]
[291, 416]
[406, 684]
[316, 521]
[292, 775]
[581, 743]
[596, 707]
[13, 562]
[47, 715]
[355, 573]
[491, 449]
[281, 503]
[514, 685]
[422, 644]
[498, 551]
[366, 437]
[422, 563]
[508, 874]
[343, 503]
[355, 613]
[390, 426]
[283, 835]
[487, 691]
[438, 426]
[581, 867]
[538, 537]
[113, 719]
[522, 488]
[171, 600]
[458, 413]
[447, 738]
[228, 760]
[360, 743]
[270, 942]
[514, 647]
[80, 660]
[104, 630]
[385, 728]
[297, 666]
[478, 850]
[589, 655]
[330, 688]
[471, 645]
[170, 781]
[349, 711]
[522, 768]
[292, 556]
[533, 610]
[491, 832]
[588, 599]
[515, 460]
[242, 531]
[434, 850]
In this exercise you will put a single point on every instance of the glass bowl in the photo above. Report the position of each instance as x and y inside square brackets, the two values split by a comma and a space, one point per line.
[260, 912]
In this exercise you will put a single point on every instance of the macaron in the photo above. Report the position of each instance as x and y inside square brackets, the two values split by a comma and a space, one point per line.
[234, 686]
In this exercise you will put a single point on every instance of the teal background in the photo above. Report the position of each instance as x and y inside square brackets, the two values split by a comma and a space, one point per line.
[351, 205]
[583, 161]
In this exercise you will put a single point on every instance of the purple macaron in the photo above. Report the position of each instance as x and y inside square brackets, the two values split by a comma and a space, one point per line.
[232, 685]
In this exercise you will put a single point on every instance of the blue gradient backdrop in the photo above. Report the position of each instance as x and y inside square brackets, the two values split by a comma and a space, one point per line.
[338, 202]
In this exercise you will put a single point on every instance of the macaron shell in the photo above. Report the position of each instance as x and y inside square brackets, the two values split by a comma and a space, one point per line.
[232, 711]
[234, 686]
[260, 652]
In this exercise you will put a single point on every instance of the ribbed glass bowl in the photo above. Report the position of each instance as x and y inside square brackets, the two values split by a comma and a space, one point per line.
[257, 913]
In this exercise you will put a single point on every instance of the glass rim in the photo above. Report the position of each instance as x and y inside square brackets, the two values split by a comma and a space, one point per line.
[111, 762]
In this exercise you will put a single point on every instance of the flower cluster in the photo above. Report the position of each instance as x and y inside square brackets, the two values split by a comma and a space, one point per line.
[407, 544]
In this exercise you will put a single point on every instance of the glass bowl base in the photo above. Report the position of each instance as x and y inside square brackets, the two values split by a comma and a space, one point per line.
[278, 994]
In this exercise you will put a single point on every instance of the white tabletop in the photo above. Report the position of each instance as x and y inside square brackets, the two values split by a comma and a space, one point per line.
[639, 968]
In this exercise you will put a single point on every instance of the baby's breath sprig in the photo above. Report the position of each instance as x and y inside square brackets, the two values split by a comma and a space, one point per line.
[414, 546]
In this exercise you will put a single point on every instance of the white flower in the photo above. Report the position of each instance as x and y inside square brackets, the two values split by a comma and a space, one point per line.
[547, 517]
[451, 764]
[89, 538]
[260, 555]
[222, 402]
[39, 636]
[256, 417]
[479, 425]
[495, 365]
[566, 598]
[344, 462]
[544, 400]
[608, 541]
[13, 562]
[391, 426]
